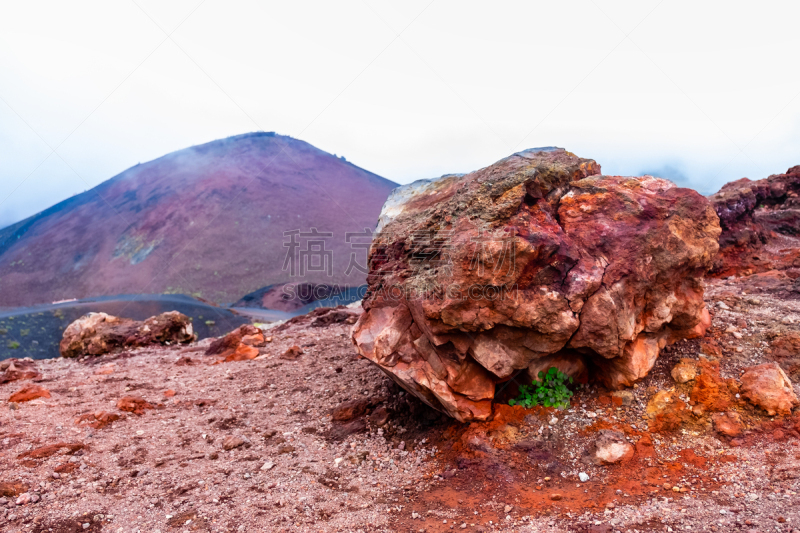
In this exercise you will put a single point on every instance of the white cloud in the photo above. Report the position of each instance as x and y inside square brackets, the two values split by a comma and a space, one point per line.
[707, 89]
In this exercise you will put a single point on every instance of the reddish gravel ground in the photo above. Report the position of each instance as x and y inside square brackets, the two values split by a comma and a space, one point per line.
[253, 446]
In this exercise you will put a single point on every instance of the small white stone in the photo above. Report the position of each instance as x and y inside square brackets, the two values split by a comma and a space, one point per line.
[268, 466]
[553, 421]
[584, 477]
[338, 461]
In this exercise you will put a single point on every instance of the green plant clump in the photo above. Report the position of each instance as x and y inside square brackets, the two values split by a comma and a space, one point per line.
[13, 345]
[551, 391]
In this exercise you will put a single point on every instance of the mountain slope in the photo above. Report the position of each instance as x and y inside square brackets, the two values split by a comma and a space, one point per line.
[207, 220]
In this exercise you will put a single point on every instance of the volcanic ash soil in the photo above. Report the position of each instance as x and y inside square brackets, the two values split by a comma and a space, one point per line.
[161, 440]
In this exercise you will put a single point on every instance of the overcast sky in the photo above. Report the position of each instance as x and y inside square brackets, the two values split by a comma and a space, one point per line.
[700, 92]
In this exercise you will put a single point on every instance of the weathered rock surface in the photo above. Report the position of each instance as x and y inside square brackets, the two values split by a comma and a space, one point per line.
[768, 387]
[684, 371]
[473, 278]
[28, 393]
[609, 448]
[100, 333]
[760, 224]
[18, 369]
[728, 424]
[240, 344]
[786, 352]
[134, 404]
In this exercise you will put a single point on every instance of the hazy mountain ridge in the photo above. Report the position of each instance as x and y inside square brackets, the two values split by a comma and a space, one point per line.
[205, 220]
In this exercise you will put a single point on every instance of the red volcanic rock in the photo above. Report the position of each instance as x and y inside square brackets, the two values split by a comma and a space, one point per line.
[99, 333]
[12, 490]
[51, 449]
[134, 404]
[175, 223]
[240, 344]
[786, 351]
[728, 424]
[768, 387]
[347, 411]
[473, 278]
[760, 223]
[28, 393]
[16, 369]
[292, 353]
[97, 420]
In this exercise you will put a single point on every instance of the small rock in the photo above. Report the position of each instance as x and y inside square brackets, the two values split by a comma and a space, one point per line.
[380, 416]
[625, 395]
[584, 477]
[28, 393]
[553, 421]
[292, 353]
[728, 424]
[350, 410]
[723, 305]
[768, 387]
[684, 371]
[134, 404]
[231, 442]
[609, 448]
[268, 466]
[555, 496]
[507, 509]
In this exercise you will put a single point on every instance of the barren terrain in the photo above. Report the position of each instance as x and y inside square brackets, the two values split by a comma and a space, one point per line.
[253, 446]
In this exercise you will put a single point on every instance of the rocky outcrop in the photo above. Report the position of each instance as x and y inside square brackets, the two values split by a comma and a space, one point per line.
[760, 224]
[768, 387]
[99, 333]
[475, 277]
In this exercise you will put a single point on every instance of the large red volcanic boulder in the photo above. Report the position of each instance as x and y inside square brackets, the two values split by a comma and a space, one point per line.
[473, 278]
[99, 333]
[760, 224]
